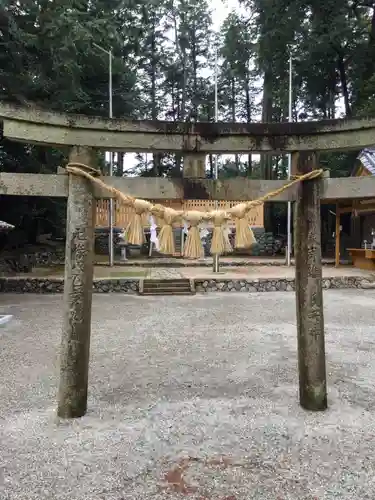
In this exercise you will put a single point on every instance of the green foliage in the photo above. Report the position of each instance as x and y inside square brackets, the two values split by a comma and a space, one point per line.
[333, 51]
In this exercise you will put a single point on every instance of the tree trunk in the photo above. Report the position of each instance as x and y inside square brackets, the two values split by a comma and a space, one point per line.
[211, 161]
[344, 85]
[182, 101]
[195, 76]
[154, 110]
[233, 114]
[331, 95]
[267, 107]
[369, 67]
[120, 162]
[248, 120]
[249, 165]
[182, 108]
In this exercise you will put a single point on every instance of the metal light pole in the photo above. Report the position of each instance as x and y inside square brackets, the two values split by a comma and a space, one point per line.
[289, 214]
[110, 102]
[216, 174]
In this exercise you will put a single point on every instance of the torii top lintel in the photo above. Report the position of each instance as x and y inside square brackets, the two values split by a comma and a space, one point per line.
[33, 125]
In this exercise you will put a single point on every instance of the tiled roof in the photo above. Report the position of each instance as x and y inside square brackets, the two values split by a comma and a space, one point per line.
[367, 158]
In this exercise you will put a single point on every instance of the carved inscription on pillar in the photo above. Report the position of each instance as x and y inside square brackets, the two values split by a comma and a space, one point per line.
[75, 344]
[78, 253]
[80, 242]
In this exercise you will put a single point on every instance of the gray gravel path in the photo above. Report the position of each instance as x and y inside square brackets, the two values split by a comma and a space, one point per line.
[190, 398]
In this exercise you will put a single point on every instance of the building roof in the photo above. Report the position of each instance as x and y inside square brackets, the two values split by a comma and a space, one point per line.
[367, 158]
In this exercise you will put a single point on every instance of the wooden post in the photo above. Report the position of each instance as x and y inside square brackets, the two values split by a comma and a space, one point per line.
[310, 322]
[337, 237]
[79, 257]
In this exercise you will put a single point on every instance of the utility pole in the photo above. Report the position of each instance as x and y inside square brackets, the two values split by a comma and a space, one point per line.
[216, 172]
[289, 213]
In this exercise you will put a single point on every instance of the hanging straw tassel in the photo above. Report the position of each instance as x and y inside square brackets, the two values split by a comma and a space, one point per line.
[220, 240]
[134, 231]
[244, 235]
[193, 248]
[166, 237]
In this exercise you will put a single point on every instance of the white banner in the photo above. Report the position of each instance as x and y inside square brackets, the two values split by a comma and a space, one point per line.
[154, 236]
[203, 232]
[122, 235]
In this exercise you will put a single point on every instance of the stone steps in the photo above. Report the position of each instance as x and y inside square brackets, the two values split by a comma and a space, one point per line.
[173, 286]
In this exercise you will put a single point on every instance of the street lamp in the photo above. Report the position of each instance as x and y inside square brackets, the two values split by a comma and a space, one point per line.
[289, 214]
[216, 173]
[110, 100]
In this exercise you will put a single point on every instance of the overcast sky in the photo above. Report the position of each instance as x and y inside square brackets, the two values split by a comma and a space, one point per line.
[220, 10]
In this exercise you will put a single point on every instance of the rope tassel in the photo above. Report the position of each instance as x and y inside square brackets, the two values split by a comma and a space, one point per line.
[244, 235]
[134, 231]
[166, 237]
[193, 248]
[220, 240]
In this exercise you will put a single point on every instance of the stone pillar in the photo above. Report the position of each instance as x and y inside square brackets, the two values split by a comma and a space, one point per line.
[79, 259]
[309, 295]
[194, 166]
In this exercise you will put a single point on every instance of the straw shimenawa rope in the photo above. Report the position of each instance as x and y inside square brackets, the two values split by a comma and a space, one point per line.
[220, 242]
[244, 235]
[193, 246]
[134, 231]
[168, 217]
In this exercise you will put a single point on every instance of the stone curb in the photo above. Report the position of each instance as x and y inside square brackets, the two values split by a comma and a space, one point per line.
[56, 285]
[277, 284]
[51, 259]
[132, 286]
[176, 263]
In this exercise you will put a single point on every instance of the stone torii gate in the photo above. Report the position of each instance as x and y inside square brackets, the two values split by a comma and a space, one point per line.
[84, 135]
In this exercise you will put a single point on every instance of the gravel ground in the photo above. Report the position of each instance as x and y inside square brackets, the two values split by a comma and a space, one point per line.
[190, 398]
